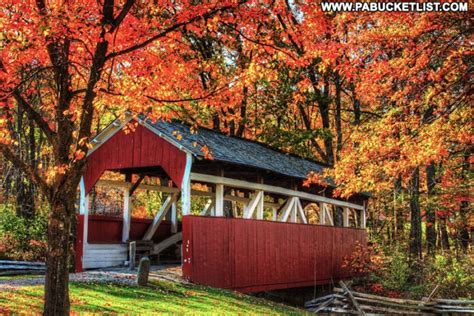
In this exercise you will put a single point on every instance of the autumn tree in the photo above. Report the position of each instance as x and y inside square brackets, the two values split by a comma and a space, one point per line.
[413, 73]
[62, 62]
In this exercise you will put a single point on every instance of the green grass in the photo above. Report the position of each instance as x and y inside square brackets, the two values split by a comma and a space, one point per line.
[162, 297]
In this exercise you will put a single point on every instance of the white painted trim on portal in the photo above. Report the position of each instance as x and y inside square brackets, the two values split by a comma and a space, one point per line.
[160, 216]
[119, 124]
[186, 186]
[127, 215]
[108, 132]
[84, 210]
[199, 177]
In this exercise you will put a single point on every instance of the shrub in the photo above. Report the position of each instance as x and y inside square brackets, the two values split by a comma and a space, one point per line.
[22, 238]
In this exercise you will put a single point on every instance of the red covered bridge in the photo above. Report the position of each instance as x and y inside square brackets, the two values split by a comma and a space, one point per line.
[258, 229]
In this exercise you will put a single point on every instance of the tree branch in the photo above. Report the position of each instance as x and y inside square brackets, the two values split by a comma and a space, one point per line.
[168, 30]
[36, 117]
[27, 169]
[123, 13]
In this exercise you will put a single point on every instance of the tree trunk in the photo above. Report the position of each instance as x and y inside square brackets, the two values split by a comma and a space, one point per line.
[398, 211]
[463, 234]
[430, 210]
[415, 228]
[56, 300]
[443, 232]
[338, 118]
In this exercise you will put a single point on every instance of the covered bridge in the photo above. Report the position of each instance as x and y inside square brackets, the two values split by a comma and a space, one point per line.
[260, 229]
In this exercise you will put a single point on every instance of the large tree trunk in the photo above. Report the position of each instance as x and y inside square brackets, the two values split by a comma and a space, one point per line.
[56, 300]
[415, 228]
[430, 210]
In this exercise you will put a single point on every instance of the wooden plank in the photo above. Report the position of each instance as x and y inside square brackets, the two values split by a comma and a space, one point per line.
[351, 297]
[159, 217]
[219, 200]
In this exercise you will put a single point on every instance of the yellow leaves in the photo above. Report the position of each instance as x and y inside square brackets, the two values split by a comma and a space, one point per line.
[79, 155]
[178, 135]
[207, 153]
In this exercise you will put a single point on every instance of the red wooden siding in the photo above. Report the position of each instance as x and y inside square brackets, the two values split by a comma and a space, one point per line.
[251, 256]
[108, 230]
[136, 149]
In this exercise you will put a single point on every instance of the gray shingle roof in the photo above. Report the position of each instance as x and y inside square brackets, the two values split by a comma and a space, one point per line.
[236, 150]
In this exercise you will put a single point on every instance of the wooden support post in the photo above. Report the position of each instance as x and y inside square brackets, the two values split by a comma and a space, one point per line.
[186, 187]
[260, 205]
[127, 215]
[159, 217]
[294, 211]
[255, 203]
[322, 213]
[300, 211]
[174, 218]
[219, 200]
[84, 210]
[286, 211]
[329, 215]
[345, 216]
[363, 216]
[274, 213]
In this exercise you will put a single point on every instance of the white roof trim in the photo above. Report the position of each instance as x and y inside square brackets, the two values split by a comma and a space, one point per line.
[119, 124]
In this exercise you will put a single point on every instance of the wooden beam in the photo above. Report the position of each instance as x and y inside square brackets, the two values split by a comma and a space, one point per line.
[127, 215]
[208, 207]
[274, 214]
[260, 205]
[322, 213]
[199, 177]
[159, 216]
[123, 184]
[186, 186]
[363, 215]
[84, 210]
[219, 204]
[301, 214]
[329, 215]
[136, 184]
[345, 216]
[253, 205]
[174, 218]
[286, 211]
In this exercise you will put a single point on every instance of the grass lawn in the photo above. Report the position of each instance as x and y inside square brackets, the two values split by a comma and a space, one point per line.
[162, 297]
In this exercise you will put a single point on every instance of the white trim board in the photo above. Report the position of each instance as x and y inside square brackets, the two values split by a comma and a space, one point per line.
[270, 188]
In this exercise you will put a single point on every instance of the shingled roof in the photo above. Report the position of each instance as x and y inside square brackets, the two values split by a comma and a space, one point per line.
[236, 150]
